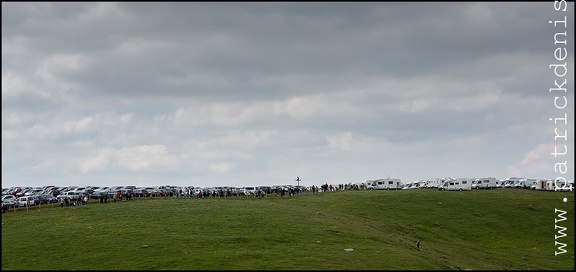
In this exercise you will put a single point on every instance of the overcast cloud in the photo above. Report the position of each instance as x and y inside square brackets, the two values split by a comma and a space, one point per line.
[234, 94]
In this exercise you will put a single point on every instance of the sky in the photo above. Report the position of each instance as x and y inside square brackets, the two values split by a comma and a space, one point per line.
[248, 94]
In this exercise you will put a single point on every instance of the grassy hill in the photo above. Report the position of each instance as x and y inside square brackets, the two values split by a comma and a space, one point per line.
[496, 229]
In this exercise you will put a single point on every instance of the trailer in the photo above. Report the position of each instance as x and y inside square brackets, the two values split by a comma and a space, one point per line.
[548, 185]
[386, 184]
[417, 184]
[459, 184]
[527, 183]
[512, 182]
[485, 183]
[539, 185]
[428, 183]
[560, 185]
[434, 183]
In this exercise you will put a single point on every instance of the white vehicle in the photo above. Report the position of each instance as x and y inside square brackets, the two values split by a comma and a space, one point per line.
[550, 185]
[569, 185]
[24, 201]
[9, 200]
[250, 190]
[539, 185]
[415, 184]
[366, 185]
[561, 185]
[434, 183]
[407, 185]
[423, 184]
[512, 182]
[485, 183]
[386, 184]
[526, 183]
[71, 195]
[460, 184]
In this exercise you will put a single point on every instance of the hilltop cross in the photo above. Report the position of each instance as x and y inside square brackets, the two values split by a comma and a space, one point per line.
[298, 188]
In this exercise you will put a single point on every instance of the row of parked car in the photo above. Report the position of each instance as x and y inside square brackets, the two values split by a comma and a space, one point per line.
[12, 201]
[30, 196]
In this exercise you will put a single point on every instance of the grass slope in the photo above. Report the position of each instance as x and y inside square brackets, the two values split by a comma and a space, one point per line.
[480, 230]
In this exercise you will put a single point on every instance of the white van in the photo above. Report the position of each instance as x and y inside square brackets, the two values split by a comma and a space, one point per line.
[485, 183]
[513, 182]
[434, 183]
[561, 185]
[386, 184]
[249, 190]
[416, 184]
[407, 185]
[24, 201]
[367, 183]
[460, 184]
[527, 183]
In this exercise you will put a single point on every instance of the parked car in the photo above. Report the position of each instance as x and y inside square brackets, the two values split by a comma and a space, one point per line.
[23, 192]
[9, 200]
[53, 191]
[70, 194]
[47, 198]
[32, 192]
[26, 200]
[101, 190]
[15, 191]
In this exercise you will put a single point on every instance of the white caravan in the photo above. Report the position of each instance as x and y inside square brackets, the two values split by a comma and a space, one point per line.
[485, 183]
[386, 184]
[512, 182]
[417, 184]
[424, 183]
[434, 183]
[560, 185]
[526, 183]
[539, 185]
[367, 183]
[459, 184]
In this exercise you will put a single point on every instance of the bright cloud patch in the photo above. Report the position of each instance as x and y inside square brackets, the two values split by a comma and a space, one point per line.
[138, 158]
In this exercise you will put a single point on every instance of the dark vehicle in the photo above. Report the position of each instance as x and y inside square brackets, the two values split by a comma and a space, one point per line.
[53, 191]
[47, 198]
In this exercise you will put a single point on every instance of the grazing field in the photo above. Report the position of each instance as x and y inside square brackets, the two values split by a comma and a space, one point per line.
[498, 229]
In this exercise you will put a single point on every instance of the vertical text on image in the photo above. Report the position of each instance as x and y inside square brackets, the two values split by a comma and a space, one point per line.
[560, 91]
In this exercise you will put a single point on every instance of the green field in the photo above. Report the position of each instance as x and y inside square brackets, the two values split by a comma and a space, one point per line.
[502, 229]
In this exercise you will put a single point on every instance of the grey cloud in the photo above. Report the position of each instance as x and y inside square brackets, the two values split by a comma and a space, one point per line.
[420, 80]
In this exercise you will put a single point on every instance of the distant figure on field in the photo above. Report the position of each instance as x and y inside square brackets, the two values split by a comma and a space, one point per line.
[418, 245]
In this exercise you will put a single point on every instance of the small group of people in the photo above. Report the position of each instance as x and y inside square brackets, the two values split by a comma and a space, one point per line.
[330, 188]
[5, 207]
[122, 195]
[290, 191]
[81, 200]
[102, 198]
[323, 188]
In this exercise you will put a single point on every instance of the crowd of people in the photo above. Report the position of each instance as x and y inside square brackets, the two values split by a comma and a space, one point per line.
[81, 200]
[218, 192]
